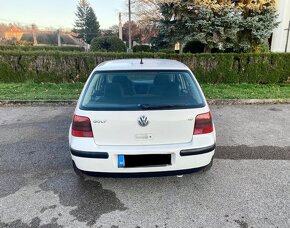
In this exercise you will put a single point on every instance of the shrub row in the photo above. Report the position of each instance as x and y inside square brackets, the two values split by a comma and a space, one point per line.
[40, 48]
[57, 67]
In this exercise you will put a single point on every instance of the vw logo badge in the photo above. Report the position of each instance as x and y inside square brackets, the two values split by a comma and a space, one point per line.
[143, 121]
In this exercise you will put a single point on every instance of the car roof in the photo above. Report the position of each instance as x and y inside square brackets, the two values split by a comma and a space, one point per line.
[135, 64]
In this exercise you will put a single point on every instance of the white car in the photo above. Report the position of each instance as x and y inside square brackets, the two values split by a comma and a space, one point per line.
[141, 117]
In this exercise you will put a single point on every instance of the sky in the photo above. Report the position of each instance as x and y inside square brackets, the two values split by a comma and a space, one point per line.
[57, 13]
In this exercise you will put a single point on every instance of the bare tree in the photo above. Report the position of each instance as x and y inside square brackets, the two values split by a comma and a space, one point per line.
[146, 14]
[149, 10]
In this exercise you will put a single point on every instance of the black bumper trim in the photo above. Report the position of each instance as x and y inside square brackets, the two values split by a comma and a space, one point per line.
[85, 154]
[145, 174]
[198, 151]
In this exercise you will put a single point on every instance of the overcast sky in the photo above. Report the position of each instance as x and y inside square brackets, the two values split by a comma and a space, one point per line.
[57, 13]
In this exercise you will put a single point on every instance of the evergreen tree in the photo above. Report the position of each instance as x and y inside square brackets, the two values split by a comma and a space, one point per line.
[220, 25]
[86, 24]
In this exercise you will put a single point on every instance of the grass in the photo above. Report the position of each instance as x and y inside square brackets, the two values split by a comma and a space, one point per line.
[43, 91]
[65, 91]
[246, 91]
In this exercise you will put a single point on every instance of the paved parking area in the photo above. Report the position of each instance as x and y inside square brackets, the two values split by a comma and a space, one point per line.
[248, 186]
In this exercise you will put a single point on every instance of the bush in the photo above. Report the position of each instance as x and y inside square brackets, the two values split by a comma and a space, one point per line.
[140, 48]
[262, 48]
[108, 44]
[40, 48]
[21, 66]
[194, 47]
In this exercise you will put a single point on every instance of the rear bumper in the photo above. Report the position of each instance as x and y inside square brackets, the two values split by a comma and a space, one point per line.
[105, 155]
[106, 163]
[103, 160]
[85, 154]
[196, 151]
[144, 174]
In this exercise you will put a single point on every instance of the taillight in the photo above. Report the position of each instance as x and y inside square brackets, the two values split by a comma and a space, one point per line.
[81, 127]
[203, 124]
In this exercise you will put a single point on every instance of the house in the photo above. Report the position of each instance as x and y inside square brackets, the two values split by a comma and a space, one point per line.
[279, 38]
[14, 33]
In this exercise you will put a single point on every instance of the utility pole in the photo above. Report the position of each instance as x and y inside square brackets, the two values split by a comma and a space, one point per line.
[287, 39]
[130, 35]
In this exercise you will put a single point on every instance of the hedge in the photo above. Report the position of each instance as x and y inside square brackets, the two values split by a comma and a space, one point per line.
[58, 67]
[40, 48]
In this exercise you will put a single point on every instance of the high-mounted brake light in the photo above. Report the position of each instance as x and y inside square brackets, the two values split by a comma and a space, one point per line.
[203, 124]
[81, 127]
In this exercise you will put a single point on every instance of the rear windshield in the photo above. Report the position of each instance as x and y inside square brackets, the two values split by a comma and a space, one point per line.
[141, 90]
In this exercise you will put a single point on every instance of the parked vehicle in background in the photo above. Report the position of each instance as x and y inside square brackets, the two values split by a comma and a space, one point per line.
[142, 117]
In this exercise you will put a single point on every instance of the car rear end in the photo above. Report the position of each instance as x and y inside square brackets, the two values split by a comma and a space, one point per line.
[142, 121]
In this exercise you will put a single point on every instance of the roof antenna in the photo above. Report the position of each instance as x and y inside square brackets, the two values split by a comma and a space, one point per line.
[141, 58]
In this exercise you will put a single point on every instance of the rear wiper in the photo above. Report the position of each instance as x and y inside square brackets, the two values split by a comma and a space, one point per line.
[152, 107]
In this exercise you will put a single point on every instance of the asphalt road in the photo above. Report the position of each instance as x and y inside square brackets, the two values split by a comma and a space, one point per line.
[248, 186]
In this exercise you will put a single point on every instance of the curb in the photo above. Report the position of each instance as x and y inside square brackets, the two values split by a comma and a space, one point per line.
[210, 102]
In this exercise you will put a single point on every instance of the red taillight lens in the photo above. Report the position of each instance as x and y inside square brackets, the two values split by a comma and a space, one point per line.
[203, 124]
[81, 127]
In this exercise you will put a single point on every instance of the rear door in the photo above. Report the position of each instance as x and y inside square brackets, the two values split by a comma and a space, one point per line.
[162, 127]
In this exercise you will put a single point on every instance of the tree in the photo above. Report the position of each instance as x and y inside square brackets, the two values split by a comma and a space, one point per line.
[86, 25]
[147, 14]
[114, 29]
[257, 28]
[135, 31]
[142, 48]
[222, 24]
[193, 47]
[108, 44]
[3, 29]
[218, 28]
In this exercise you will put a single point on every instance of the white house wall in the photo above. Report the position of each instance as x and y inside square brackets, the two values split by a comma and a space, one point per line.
[279, 34]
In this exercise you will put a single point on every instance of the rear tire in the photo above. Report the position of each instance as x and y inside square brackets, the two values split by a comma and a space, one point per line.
[78, 172]
[208, 167]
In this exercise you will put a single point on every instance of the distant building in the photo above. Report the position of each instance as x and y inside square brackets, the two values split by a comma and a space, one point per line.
[52, 38]
[38, 37]
[280, 34]
[14, 33]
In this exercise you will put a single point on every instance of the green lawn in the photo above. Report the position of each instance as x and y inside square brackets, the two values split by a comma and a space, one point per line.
[46, 91]
[246, 91]
[50, 91]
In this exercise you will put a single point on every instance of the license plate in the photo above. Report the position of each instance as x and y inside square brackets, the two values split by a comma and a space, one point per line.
[143, 160]
[121, 161]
